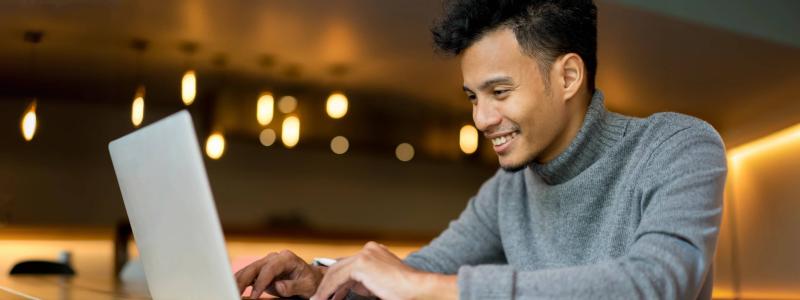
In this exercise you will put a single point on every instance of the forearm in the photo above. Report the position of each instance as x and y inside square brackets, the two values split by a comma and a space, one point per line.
[436, 286]
[654, 271]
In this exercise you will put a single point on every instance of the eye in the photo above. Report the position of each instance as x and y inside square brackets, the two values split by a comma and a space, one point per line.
[500, 93]
[472, 98]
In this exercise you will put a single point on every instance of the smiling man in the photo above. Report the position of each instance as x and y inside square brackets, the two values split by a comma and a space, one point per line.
[587, 203]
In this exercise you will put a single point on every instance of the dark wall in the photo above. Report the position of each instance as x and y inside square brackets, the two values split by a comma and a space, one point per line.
[65, 177]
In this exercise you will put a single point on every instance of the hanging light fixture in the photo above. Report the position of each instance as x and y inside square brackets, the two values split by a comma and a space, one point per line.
[189, 80]
[337, 103]
[188, 87]
[336, 106]
[28, 122]
[290, 133]
[265, 108]
[215, 145]
[137, 107]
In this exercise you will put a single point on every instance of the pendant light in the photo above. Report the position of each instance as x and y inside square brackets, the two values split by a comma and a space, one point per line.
[29, 121]
[265, 106]
[137, 107]
[189, 79]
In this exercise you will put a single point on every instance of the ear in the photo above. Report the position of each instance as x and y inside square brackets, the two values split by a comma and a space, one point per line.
[571, 74]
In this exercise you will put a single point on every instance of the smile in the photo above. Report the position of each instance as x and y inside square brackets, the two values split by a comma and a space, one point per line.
[502, 140]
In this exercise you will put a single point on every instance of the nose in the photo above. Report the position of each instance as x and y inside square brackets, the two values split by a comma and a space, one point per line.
[485, 115]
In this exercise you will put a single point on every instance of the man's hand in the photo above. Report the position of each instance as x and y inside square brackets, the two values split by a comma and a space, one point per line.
[384, 275]
[280, 274]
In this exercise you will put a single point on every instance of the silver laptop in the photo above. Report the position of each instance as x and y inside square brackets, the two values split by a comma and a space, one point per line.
[169, 203]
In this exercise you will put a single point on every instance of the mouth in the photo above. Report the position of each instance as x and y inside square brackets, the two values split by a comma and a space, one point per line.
[503, 142]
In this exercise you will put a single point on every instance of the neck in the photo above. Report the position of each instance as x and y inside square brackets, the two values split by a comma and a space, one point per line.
[576, 111]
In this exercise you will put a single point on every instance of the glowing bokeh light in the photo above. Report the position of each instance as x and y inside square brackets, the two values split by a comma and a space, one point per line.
[265, 109]
[188, 87]
[137, 108]
[287, 104]
[404, 152]
[29, 122]
[267, 137]
[339, 145]
[215, 145]
[290, 132]
[468, 139]
[336, 106]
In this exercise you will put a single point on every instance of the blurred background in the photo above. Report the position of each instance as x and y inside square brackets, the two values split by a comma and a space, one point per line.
[326, 124]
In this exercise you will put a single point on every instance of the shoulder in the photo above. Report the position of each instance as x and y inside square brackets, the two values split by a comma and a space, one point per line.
[672, 140]
[669, 128]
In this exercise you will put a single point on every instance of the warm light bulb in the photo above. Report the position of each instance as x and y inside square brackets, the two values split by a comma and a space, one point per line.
[215, 145]
[290, 134]
[468, 139]
[28, 124]
[188, 87]
[137, 109]
[339, 145]
[404, 152]
[287, 104]
[336, 105]
[265, 109]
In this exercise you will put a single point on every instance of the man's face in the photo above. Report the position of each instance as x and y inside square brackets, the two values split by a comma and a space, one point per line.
[510, 103]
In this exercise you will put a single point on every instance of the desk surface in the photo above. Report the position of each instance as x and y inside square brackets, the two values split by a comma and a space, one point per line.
[92, 256]
[77, 287]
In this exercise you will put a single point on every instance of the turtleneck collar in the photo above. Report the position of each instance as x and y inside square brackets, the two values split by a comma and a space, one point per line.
[599, 132]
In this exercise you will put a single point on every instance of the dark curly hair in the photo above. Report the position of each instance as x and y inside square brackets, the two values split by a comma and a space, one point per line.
[545, 29]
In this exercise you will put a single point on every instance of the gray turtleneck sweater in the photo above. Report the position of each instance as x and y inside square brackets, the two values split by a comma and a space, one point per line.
[630, 210]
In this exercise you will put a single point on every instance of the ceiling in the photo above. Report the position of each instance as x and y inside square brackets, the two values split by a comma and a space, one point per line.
[651, 58]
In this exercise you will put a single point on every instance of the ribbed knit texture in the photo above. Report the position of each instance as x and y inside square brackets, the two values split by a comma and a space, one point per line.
[630, 210]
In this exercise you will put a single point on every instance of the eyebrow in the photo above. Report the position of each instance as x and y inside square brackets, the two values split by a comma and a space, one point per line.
[493, 81]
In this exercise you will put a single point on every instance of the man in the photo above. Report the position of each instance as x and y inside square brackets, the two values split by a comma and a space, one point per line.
[588, 203]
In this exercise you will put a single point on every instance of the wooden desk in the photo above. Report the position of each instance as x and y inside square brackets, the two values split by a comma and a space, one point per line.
[77, 287]
[92, 255]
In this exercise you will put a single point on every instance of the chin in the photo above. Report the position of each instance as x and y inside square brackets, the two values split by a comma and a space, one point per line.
[513, 166]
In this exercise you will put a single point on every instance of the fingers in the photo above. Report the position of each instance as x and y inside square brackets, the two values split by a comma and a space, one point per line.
[245, 276]
[300, 287]
[261, 273]
[267, 273]
[281, 263]
[343, 290]
[337, 275]
[360, 289]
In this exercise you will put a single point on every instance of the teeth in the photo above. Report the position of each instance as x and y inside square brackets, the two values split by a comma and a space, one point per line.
[503, 139]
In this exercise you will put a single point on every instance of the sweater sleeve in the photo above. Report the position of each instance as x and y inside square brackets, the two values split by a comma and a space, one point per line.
[471, 239]
[681, 194]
